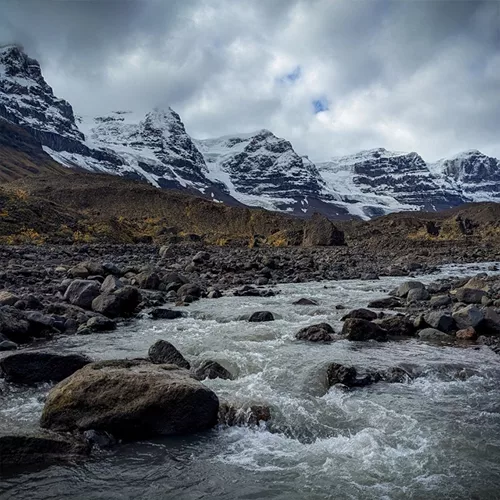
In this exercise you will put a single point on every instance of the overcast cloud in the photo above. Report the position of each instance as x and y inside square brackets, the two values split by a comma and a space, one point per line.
[332, 76]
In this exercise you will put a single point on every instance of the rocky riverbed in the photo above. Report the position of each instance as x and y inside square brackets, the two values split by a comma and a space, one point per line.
[238, 349]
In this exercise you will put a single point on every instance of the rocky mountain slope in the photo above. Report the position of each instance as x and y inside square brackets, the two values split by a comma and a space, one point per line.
[256, 169]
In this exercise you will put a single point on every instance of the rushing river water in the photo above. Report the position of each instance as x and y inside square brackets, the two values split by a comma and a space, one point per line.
[437, 437]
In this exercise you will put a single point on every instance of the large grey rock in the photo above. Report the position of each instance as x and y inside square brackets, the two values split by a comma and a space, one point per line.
[261, 316]
[397, 326]
[122, 302]
[439, 301]
[468, 316]
[470, 295]
[361, 314]
[385, 303]
[433, 334]
[130, 400]
[32, 367]
[148, 280]
[111, 284]
[7, 298]
[321, 332]
[81, 293]
[405, 287]
[440, 321]
[319, 231]
[417, 294]
[163, 352]
[211, 369]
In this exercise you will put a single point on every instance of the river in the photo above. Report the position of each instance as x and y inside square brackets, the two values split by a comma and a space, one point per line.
[436, 437]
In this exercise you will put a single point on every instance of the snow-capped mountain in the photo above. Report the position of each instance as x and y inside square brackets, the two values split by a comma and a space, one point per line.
[474, 174]
[383, 181]
[256, 169]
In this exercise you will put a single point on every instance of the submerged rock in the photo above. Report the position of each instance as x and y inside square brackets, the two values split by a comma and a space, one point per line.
[385, 303]
[232, 414]
[361, 314]
[261, 316]
[164, 313]
[131, 400]
[32, 367]
[305, 302]
[40, 448]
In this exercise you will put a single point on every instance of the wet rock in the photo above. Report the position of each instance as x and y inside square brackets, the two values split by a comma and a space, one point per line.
[163, 352]
[261, 316]
[233, 414]
[305, 302]
[433, 334]
[247, 291]
[469, 295]
[321, 332]
[81, 293]
[211, 369]
[490, 325]
[395, 375]
[440, 321]
[99, 439]
[385, 303]
[40, 448]
[164, 313]
[347, 376]
[467, 334]
[131, 400]
[32, 367]
[361, 314]
[7, 345]
[397, 326]
[357, 329]
[468, 316]
[101, 324]
[405, 287]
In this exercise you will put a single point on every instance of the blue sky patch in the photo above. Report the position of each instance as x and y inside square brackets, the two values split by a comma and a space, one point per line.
[293, 76]
[320, 105]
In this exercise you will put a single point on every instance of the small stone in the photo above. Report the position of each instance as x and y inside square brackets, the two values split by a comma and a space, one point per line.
[467, 334]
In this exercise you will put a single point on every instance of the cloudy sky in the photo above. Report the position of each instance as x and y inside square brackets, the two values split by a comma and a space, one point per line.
[332, 76]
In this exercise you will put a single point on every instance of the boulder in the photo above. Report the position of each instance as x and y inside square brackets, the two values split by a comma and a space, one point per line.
[468, 316]
[470, 295]
[81, 293]
[260, 316]
[361, 314]
[189, 289]
[397, 326]
[101, 324]
[211, 369]
[347, 376]
[305, 302]
[417, 294]
[7, 345]
[131, 400]
[433, 334]
[439, 301]
[32, 367]
[163, 352]
[405, 287]
[467, 334]
[385, 303]
[164, 313]
[7, 298]
[321, 332]
[490, 325]
[360, 329]
[440, 321]
[122, 302]
[111, 284]
[14, 325]
[39, 448]
[319, 231]
[148, 280]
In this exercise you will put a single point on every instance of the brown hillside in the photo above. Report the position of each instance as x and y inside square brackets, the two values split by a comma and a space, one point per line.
[21, 155]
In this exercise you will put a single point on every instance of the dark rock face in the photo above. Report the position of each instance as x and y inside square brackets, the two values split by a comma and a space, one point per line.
[305, 302]
[131, 400]
[32, 367]
[81, 293]
[261, 316]
[470, 295]
[387, 303]
[361, 314]
[211, 369]
[319, 231]
[397, 326]
[361, 329]
[231, 414]
[41, 448]
[321, 332]
[443, 322]
[163, 352]
[122, 302]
